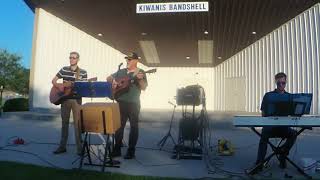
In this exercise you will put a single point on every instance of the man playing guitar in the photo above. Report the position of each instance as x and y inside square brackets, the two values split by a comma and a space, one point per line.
[70, 74]
[129, 103]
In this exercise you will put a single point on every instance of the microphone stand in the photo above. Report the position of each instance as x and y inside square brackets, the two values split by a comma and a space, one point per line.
[162, 142]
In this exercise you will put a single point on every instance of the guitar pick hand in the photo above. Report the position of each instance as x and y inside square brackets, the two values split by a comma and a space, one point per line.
[61, 88]
[140, 75]
[114, 84]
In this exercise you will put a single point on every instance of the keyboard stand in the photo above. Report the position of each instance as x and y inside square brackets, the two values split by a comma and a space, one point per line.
[277, 151]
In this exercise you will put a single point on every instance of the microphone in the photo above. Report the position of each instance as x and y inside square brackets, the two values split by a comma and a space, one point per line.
[171, 103]
[119, 66]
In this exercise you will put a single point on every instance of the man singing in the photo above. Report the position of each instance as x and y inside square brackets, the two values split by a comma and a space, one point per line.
[70, 73]
[129, 103]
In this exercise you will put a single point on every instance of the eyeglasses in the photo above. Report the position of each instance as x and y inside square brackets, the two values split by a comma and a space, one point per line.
[73, 57]
[281, 83]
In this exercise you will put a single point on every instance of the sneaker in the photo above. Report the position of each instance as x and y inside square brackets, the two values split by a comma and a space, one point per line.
[60, 150]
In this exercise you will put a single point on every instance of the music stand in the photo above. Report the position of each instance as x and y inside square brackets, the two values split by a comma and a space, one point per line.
[162, 142]
[102, 118]
[98, 118]
[93, 89]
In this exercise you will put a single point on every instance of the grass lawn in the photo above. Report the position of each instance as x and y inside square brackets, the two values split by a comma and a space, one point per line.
[19, 171]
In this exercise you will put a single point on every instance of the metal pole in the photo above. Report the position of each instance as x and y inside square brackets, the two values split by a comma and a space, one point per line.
[1, 90]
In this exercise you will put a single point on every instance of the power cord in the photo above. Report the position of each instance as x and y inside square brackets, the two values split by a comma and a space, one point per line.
[10, 142]
[15, 141]
[33, 154]
[212, 161]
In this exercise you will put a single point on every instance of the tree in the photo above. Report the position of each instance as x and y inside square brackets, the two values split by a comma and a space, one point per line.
[13, 76]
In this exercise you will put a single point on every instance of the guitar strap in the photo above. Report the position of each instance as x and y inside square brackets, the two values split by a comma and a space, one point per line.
[77, 73]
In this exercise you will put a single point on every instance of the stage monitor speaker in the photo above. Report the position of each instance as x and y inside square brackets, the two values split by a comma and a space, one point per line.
[93, 118]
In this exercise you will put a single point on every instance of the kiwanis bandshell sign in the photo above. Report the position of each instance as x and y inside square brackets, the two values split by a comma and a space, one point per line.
[172, 7]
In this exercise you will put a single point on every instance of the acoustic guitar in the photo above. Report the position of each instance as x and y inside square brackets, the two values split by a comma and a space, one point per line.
[125, 82]
[56, 96]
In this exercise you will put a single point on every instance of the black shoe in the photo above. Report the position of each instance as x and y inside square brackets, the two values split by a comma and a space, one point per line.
[129, 155]
[60, 150]
[254, 170]
[116, 153]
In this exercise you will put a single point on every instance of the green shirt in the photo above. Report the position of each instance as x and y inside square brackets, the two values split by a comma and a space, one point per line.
[133, 95]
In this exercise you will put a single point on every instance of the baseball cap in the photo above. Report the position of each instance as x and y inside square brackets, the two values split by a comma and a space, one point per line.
[132, 55]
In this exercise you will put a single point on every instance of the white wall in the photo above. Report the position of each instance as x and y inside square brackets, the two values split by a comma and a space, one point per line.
[164, 83]
[56, 38]
[293, 48]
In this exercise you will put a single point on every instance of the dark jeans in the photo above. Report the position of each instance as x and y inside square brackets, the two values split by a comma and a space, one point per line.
[272, 132]
[128, 111]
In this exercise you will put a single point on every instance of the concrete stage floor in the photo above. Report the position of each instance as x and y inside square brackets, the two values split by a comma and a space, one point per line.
[41, 132]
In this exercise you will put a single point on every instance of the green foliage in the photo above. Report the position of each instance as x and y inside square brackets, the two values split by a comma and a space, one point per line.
[20, 83]
[13, 76]
[18, 104]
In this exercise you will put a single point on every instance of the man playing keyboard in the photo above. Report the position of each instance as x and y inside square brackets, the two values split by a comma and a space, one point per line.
[271, 132]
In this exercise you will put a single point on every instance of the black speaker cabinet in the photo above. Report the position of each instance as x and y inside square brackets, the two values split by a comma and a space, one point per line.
[190, 128]
[190, 95]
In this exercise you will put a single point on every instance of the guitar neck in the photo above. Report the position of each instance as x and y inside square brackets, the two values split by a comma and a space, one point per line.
[146, 72]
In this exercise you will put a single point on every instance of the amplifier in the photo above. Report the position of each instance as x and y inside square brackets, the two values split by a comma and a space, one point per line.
[190, 95]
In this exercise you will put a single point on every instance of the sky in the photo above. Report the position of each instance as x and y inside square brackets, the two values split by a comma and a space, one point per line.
[16, 29]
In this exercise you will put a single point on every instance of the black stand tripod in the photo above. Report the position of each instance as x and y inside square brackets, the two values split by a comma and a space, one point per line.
[162, 142]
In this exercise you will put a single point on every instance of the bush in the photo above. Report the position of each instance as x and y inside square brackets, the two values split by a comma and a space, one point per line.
[17, 104]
